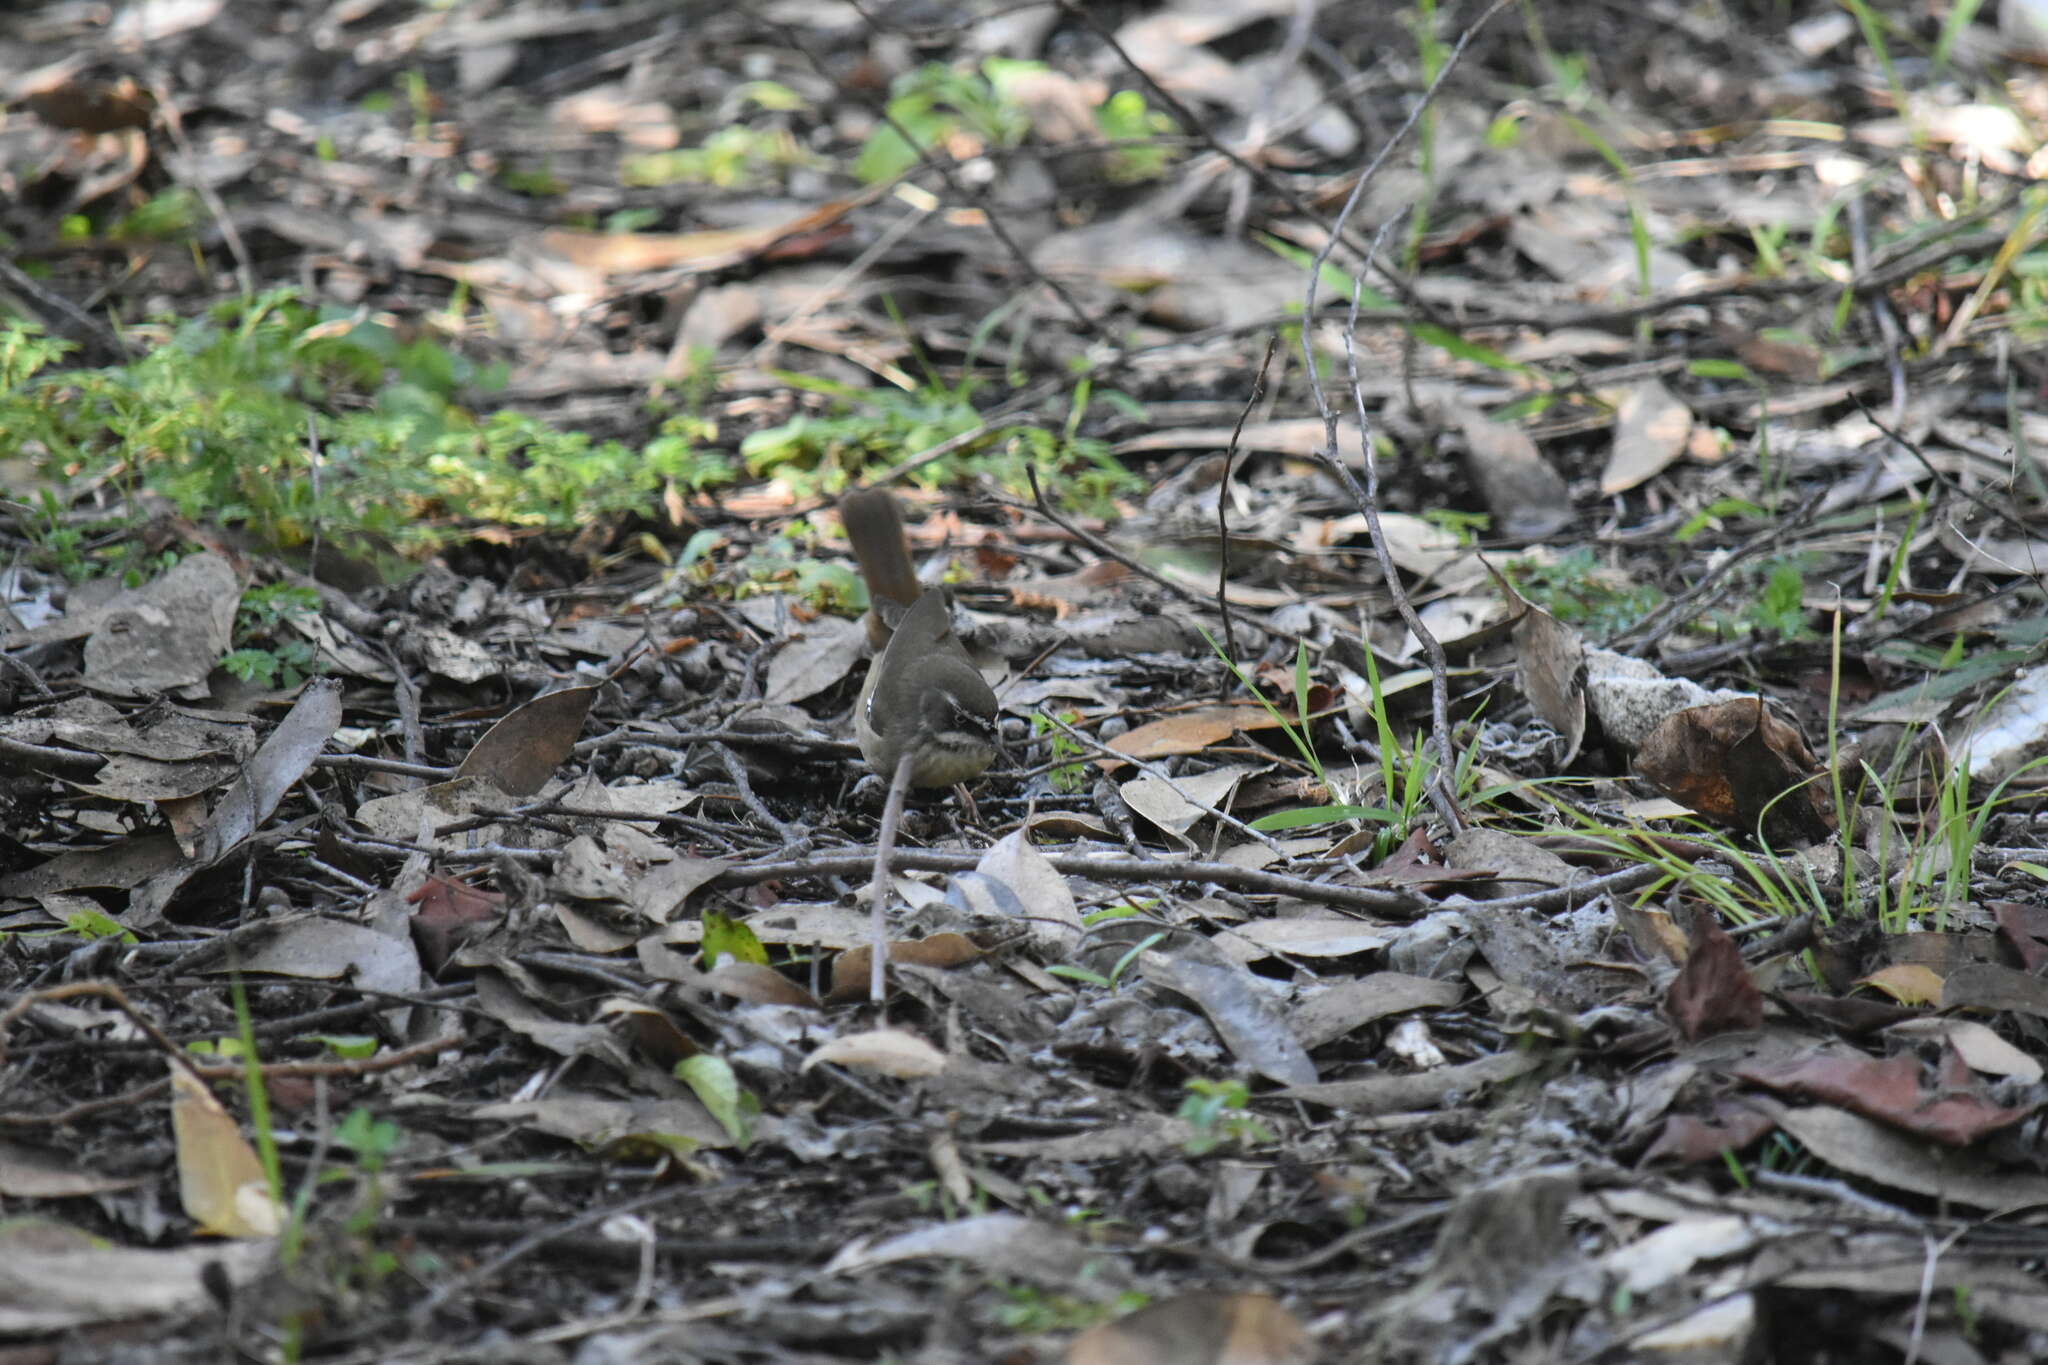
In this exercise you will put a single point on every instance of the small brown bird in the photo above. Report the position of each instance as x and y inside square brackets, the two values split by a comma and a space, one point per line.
[923, 696]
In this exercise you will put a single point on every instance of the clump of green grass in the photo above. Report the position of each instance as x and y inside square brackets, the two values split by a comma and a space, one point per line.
[295, 421]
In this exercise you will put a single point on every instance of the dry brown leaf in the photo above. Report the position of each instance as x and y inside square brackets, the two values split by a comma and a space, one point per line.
[1713, 992]
[891, 1051]
[850, 968]
[1190, 732]
[221, 1183]
[756, 984]
[1198, 1329]
[1894, 1091]
[1737, 763]
[1909, 983]
[521, 752]
[626, 253]
[1652, 427]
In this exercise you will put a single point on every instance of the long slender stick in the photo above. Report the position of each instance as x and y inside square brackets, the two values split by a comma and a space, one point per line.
[885, 845]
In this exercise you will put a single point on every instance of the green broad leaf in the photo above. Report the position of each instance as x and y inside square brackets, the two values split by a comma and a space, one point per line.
[723, 934]
[368, 1136]
[1733, 370]
[711, 1079]
[353, 1046]
[94, 924]
[644, 1142]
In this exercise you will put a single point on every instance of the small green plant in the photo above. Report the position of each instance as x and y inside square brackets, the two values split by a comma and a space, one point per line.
[1769, 241]
[1405, 770]
[1577, 591]
[1935, 874]
[354, 1264]
[167, 215]
[370, 1138]
[1781, 609]
[97, 924]
[267, 657]
[1776, 1155]
[734, 157]
[1463, 526]
[1430, 54]
[1028, 1308]
[1123, 963]
[1295, 727]
[819, 452]
[297, 422]
[1758, 891]
[1219, 1112]
[787, 563]
[932, 1196]
[1966, 1315]
[1068, 774]
[936, 103]
[1128, 121]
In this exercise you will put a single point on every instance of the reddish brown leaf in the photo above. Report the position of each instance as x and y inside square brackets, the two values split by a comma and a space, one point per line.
[1892, 1091]
[850, 968]
[1690, 1138]
[450, 913]
[1737, 763]
[2025, 927]
[1713, 992]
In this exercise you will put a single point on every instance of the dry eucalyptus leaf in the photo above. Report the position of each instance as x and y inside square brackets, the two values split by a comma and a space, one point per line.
[1550, 661]
[891, 1051]
[253, 798]
[654, 1031]
[32, 1173]
[412, 816]
[1978, 1046]
[1527, 497]
[166, 635]
[1737, 763]
[1652, 426]
[323, 949]
[1876, 1152]
[59, 1278]
[1042, 895]
[939, 951]
[1190, 732]
[597, 1123]
[1176, 806]
[521, 752]
[454, 657]
[119, 865]
[502, 1000]
[819, 656]
[756, 984]
[1303, 936]
[998, 1243]
[1342, 1006]
[1250, 1023]
[221, 1183]
[1198, 1329]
